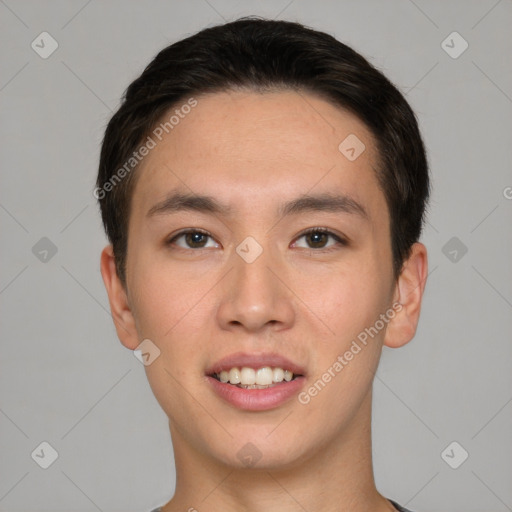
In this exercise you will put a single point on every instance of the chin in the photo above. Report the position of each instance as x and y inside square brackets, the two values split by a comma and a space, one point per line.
[259, 452]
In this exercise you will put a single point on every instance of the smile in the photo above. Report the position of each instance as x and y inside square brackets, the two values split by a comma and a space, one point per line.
[250, 378]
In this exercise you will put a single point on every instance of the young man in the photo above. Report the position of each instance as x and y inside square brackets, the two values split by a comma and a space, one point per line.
[263, 188]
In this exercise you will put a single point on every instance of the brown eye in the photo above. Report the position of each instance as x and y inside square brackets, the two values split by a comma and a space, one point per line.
[191, 239]
[318, 238]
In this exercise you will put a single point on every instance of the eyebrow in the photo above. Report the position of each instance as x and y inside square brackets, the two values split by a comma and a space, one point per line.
[177, 202]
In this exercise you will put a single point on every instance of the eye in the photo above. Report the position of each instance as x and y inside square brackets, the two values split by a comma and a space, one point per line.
[317, 238]
[191, 239]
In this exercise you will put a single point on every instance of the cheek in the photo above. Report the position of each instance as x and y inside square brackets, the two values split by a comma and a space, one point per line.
[155, 305]
[350, 300]
[170, 308]
[345, 361]
[167, 312]
[162, 295]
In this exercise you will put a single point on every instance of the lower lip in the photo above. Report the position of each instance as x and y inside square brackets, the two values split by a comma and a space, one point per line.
[257, 399]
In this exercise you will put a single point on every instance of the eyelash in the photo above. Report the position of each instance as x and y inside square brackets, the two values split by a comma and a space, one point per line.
[340, 241]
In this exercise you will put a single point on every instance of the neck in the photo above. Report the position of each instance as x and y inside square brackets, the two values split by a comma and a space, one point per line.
[338, 477]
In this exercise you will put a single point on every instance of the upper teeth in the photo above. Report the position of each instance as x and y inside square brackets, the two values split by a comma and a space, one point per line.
[248, 376]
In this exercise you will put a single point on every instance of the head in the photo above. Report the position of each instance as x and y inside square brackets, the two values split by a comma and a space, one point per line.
[249, 134]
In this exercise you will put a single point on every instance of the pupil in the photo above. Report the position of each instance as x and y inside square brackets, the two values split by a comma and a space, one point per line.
[317, 238]
[195, 238]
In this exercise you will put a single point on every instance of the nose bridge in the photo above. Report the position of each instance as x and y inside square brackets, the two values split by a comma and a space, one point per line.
[252, 274]
[254, 296]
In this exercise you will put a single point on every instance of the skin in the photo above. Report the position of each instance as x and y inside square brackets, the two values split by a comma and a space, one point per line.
[254, 151]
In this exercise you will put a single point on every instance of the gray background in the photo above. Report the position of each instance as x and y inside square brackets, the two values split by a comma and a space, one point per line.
[65, 378]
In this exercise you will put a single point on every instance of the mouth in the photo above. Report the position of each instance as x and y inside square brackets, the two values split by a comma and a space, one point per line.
[255, 378]
[256, 382]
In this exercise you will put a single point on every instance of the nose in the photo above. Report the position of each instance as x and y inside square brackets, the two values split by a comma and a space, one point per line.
[254, 298]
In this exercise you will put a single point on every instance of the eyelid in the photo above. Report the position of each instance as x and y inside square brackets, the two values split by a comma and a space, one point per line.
[184, 231]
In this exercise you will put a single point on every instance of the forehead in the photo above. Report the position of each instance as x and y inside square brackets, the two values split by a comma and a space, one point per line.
[249, 148]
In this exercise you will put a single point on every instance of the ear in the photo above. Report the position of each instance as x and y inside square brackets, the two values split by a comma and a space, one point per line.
[408, 292]
[124, 320]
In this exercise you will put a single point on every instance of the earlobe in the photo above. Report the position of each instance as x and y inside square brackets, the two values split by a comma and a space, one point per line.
[408, 292]
[119, 306]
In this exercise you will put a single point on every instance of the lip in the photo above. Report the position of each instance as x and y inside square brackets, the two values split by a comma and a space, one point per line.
[256, 399]
[255, 361]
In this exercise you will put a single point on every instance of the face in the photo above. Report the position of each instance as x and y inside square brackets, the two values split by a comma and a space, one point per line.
[283, 265]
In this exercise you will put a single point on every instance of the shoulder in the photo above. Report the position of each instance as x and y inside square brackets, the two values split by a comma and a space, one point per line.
[396, 505]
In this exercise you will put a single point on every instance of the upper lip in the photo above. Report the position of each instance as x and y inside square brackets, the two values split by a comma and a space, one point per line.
[243, 359]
